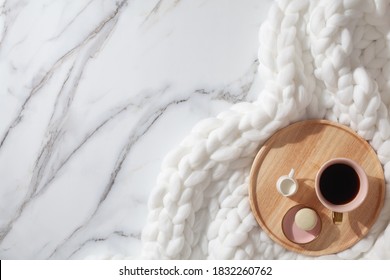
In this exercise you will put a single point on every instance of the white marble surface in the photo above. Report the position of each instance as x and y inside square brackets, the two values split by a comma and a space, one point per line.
[93, 94]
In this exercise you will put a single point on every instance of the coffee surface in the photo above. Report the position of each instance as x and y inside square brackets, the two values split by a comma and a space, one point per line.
[339, 183]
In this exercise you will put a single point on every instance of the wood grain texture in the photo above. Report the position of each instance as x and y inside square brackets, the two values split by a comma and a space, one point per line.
[305, 146]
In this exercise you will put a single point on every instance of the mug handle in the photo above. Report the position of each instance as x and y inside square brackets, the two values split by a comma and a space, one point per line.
[337, 217]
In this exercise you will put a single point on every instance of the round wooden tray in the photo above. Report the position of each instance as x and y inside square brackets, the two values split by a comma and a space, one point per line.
[305, 146]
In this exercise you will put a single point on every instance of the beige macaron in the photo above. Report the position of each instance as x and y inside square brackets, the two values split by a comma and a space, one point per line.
[306, 219]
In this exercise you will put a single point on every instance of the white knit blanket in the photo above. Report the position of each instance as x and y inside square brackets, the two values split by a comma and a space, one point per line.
[319, 59]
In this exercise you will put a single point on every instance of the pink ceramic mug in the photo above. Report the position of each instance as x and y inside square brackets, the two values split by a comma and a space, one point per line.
[341, 185]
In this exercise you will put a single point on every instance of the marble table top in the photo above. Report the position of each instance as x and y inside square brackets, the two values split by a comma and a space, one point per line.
[93, 94]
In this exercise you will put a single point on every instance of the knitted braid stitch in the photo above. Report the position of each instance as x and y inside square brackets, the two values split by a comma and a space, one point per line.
[320, 59]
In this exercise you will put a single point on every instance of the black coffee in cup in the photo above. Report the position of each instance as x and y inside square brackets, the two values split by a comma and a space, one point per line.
[339, 183]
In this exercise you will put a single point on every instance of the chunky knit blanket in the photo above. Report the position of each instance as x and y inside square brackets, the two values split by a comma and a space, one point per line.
[325, 59]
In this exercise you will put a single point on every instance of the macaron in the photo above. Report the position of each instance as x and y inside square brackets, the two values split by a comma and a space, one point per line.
[306, 219]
